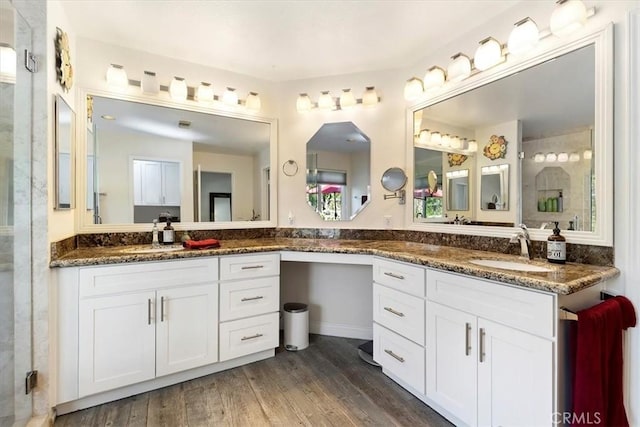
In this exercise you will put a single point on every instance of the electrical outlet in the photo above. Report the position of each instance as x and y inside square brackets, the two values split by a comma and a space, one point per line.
[387, 221]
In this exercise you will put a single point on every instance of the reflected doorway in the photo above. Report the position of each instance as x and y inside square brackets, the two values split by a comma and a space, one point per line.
[219, 207]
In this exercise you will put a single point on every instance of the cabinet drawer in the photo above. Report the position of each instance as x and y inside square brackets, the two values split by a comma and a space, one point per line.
[399, 356]
[251, 335]
[399, 312]
[249, 298]
[140, 276]
[523, 309]
[247, 266]
[404, 277]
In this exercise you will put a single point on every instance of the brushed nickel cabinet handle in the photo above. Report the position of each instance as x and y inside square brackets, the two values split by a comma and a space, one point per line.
[467, 339]
[251, 337]
[395, 356]
[397, 313]
[482, 355]
[162, 309]
[251, 298]
[395, 276]
[149, 311]
[252, 267]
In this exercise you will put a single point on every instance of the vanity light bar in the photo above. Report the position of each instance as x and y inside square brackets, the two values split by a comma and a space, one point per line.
[434, 139]
[346, 100]
[567, 17]
[117, 77]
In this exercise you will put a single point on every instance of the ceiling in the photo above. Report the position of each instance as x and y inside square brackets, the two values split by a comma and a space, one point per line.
[208, 132]
[341, 137]
[551, 98]
[283, 40]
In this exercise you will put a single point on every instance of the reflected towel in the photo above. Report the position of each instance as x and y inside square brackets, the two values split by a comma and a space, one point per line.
[597, 390]
[201, 244]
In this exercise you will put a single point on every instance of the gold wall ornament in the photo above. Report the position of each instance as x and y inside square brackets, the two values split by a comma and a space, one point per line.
[496, 148]
[90, 108]
[456, 159]
[64, 70]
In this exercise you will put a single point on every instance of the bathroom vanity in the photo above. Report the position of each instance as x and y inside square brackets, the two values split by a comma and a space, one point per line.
[457, 335]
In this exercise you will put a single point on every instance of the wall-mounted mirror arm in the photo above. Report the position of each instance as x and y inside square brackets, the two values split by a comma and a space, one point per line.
[400, 194]
[394, 179]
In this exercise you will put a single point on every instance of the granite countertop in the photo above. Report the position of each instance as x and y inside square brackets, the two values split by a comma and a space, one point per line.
[563, 279]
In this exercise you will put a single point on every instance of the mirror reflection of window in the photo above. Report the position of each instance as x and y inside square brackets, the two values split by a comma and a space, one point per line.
[428, 194]
[338, 171]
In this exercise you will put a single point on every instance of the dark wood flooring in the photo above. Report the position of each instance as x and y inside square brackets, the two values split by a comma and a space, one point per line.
[326, 384]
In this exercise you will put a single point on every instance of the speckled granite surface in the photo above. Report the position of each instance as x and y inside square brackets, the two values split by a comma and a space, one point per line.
[564, 279]
[596, 255]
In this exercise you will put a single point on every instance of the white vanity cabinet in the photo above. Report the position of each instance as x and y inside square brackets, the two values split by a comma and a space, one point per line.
[489, 344]
[399, 321]
[141, 321]
[249, 304]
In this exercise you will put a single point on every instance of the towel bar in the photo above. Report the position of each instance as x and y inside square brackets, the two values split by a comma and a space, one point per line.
[566, 314]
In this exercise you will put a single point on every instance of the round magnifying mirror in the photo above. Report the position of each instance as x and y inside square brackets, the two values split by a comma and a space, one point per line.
[393, 179]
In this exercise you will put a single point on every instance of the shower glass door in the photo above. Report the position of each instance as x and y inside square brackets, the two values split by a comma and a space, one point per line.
[15, 218]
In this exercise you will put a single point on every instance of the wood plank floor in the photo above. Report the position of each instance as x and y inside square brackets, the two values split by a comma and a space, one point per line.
[324, 385]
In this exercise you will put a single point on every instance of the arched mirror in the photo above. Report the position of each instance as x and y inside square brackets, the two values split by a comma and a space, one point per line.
[529, 143]
[201, 170]
[338, 171]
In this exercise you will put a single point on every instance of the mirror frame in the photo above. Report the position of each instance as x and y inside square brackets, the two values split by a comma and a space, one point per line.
[547, 49]
[59, 102]
[82, 214]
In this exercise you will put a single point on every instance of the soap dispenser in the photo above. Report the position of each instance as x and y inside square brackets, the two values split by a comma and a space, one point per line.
[556, 246]
[155, 243]
[168, 233]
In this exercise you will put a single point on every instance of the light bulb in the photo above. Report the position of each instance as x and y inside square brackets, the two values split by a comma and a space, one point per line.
[413, 89]
[574, 157]
[568, 16]
[424, 137]
[303, 103]
[588, 154]
[445, 141]
[459, 68]
[347, 99]
[230, 97]
[178, 89]
[488, 54]
[538, 157]
[551, 157]
[325, 102]
[370, 96]
[523, 37]
[253, 102]
[455, 142]
[117, 76]
[563, 157]
[434, 78]
[436, 138]
[149, 84]
[204, 93]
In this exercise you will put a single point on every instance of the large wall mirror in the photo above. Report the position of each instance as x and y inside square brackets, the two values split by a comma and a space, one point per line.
[338, 171]
[200, 170]
[64, 154]
[543, 129]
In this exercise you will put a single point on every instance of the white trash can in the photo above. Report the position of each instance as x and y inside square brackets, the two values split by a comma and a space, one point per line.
[296, 326]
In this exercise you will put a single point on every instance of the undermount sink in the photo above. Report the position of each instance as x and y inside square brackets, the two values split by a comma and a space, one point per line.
[510, 265]
[150, 250]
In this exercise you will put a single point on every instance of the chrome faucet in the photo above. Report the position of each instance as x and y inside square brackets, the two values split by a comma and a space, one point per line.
[523, 238]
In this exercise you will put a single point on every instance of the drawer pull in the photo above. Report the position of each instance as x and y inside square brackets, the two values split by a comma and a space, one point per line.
[397, 313]
[395, 276]
[482, 354]
[162, 309]
[395, 356]
[251, 298]
[149, 311]
[467, 339]
[252, 267]
[251, 337]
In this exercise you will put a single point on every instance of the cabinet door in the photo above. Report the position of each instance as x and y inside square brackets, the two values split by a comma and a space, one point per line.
[517, 368]
[171, 184]
[452, 361]
[116, 342]
[187, 328]
[147, 184]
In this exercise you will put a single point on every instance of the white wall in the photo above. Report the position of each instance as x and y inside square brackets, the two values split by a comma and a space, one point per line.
[242, 178]
[340, 297]
[116, 151]
[61, 222]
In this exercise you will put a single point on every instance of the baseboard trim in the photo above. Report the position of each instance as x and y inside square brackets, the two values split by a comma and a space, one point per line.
[120, 393]
[341, 330]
